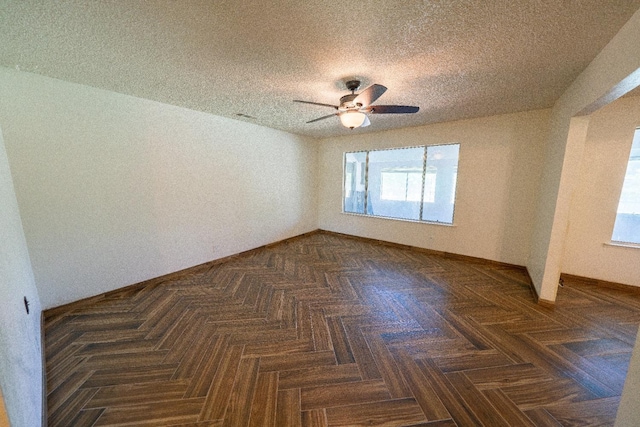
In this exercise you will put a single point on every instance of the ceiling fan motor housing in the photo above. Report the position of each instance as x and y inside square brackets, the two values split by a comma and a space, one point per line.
[346, 102]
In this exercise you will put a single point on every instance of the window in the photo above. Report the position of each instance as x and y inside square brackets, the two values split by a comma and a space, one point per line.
[354, 177]
[627, 225]
[416, 183]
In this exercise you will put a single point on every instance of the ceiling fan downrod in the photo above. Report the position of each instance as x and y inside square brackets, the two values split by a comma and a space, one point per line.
[353, 85]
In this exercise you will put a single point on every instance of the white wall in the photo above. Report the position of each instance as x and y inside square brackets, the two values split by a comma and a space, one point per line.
[498, 173]
[595, 200]
[20, 350]
[114, 190]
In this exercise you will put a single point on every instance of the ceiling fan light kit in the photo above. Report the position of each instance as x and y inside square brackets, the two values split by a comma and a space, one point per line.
[352, 119]
[353, 107]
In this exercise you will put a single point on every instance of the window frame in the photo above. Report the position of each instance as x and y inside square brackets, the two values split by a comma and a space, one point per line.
[422, 195]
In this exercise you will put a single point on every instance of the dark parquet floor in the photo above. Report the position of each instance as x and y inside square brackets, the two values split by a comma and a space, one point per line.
[326, 330]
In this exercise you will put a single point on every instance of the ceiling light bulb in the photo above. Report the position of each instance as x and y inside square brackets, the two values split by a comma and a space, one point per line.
[352, 119]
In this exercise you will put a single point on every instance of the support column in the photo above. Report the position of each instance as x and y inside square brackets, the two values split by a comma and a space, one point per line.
[614, 72]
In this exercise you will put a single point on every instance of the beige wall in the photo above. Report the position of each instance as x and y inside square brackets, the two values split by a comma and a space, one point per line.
[498, 173]
[114, 190]
[595, 199]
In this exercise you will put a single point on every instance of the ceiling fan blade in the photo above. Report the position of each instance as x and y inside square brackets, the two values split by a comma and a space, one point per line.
[392, 109]
[369, 95]
[316, 103]
[322, 118]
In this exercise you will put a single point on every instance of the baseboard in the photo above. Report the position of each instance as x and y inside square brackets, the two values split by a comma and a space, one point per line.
[546, 303]
[542, 302]
[67, 308]
[45, 412]
[449, 255]
[571, 279]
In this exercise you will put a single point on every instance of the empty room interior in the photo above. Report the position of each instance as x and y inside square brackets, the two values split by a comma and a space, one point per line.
[319, 213]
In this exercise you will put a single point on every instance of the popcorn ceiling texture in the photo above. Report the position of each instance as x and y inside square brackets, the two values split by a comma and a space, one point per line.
[454, 59]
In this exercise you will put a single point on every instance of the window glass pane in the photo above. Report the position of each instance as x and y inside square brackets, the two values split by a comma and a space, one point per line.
[627, 225]
[354, 181]
[430, 185]
[440, 183]
[395, 183]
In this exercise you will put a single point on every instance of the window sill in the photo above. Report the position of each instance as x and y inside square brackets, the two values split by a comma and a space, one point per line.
[399, 219]
[623, 245]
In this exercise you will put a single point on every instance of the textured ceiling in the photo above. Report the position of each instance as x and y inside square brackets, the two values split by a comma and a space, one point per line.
[454, 59]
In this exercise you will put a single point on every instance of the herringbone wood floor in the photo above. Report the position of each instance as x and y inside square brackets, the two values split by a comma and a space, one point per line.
[329, 330]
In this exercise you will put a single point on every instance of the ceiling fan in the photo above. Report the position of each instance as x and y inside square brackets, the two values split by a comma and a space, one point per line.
[353, 107]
